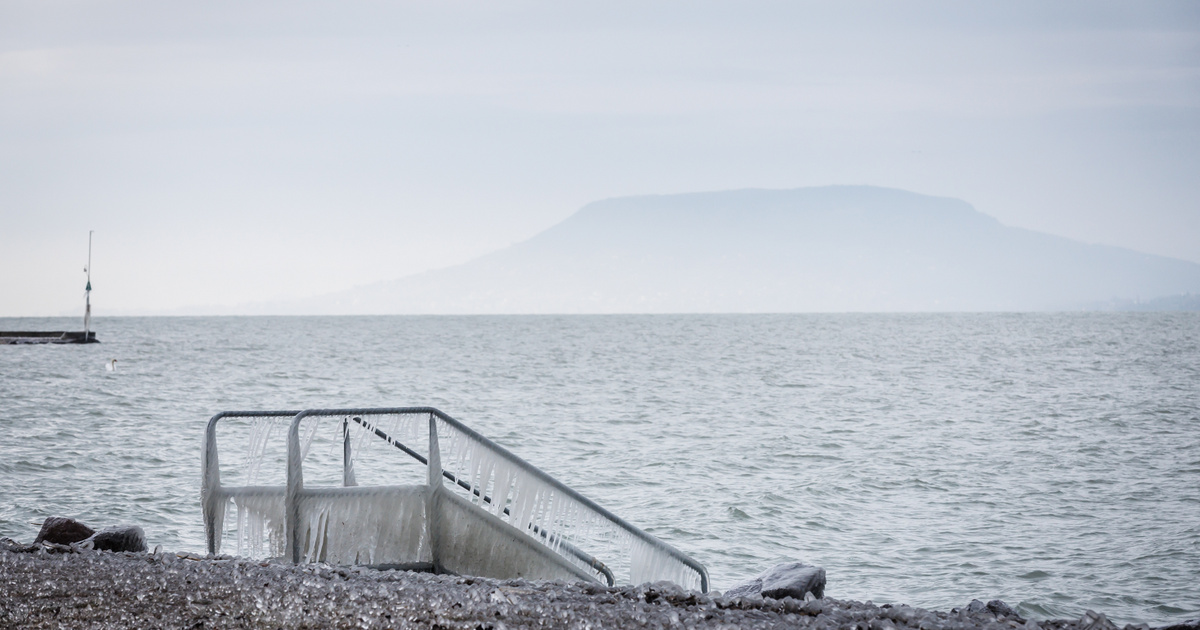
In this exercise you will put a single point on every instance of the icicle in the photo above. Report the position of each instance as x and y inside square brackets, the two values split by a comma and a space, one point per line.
[364, 429]
[241, 531]
[260, 436]
[259, 525]
[306, 442]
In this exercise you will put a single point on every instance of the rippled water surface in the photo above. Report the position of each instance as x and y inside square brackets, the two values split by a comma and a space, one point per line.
[1052, 461]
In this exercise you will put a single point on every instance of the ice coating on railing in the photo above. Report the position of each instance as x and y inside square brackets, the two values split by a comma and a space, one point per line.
[376, 460]
[358, 492]
[529, 504]
[260, 525]
[381, 525]
[377, 520]
[256, 447]
[257, 530]
[545, 512]
[265, 451]
[651, 564]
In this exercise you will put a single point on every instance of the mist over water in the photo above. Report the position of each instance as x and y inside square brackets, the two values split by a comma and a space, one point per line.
[1050, 460]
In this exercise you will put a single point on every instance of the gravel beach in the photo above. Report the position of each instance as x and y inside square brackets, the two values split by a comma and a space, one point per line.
[164, 590]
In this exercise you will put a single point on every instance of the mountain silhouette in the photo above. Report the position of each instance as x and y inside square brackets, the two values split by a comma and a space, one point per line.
[836, 248]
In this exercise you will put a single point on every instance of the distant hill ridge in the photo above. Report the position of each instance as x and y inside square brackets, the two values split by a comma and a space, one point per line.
[834, 248]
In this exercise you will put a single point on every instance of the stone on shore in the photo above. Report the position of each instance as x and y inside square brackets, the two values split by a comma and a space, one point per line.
[63, 531]
[1092, 620]
[59, 533]
[790, 579]
[1000, 609]
[119, 539]
[995, 608]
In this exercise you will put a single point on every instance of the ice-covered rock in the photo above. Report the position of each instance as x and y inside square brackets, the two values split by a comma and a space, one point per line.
[66, 535]
[995, 608]
[790, 579]
[119, 539]
[1000, 609]
[1092, 620]
[62, 531]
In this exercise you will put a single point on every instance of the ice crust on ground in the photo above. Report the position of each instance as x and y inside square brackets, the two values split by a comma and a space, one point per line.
[124, 590]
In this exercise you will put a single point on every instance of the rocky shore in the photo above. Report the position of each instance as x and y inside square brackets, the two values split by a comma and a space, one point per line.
[53, 588]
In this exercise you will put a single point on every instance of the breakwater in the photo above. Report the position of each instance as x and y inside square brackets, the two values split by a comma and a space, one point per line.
[26, 337]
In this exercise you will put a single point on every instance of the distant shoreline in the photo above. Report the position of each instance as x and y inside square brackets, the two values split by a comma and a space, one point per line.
[1107, 308]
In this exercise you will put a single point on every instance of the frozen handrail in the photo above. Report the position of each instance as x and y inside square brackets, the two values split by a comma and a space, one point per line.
[563, 512]
[579, 554]
[499, 482]
[212, 495]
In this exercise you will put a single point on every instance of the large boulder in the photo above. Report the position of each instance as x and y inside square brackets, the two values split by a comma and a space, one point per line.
[119, 539]
[790, 579]
[63, 531]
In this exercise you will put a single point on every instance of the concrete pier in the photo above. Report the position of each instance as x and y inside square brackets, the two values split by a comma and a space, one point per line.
[17, 337]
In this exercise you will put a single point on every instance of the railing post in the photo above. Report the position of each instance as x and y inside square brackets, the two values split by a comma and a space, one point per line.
[210, 485]
[434, 480]
[347, 455]
[295, 484]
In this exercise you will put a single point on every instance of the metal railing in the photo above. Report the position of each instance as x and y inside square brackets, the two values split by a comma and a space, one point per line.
[548, 532]
[213, 495]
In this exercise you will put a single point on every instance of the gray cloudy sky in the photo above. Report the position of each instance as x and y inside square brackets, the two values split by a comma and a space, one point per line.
[227, 152]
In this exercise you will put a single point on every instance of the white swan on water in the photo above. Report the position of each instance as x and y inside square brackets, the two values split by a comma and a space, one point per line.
[111, 366]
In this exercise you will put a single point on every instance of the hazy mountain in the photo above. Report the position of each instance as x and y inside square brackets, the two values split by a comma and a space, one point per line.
[838, 248]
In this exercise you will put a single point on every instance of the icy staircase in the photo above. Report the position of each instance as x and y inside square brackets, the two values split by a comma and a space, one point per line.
[418, 490]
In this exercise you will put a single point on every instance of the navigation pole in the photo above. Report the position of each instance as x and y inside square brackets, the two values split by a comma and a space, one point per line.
[87, 293]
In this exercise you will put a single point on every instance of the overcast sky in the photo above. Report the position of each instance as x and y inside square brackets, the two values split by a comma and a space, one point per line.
[228, 152]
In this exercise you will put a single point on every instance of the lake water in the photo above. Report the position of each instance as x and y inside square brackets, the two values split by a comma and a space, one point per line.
[1049, 460]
